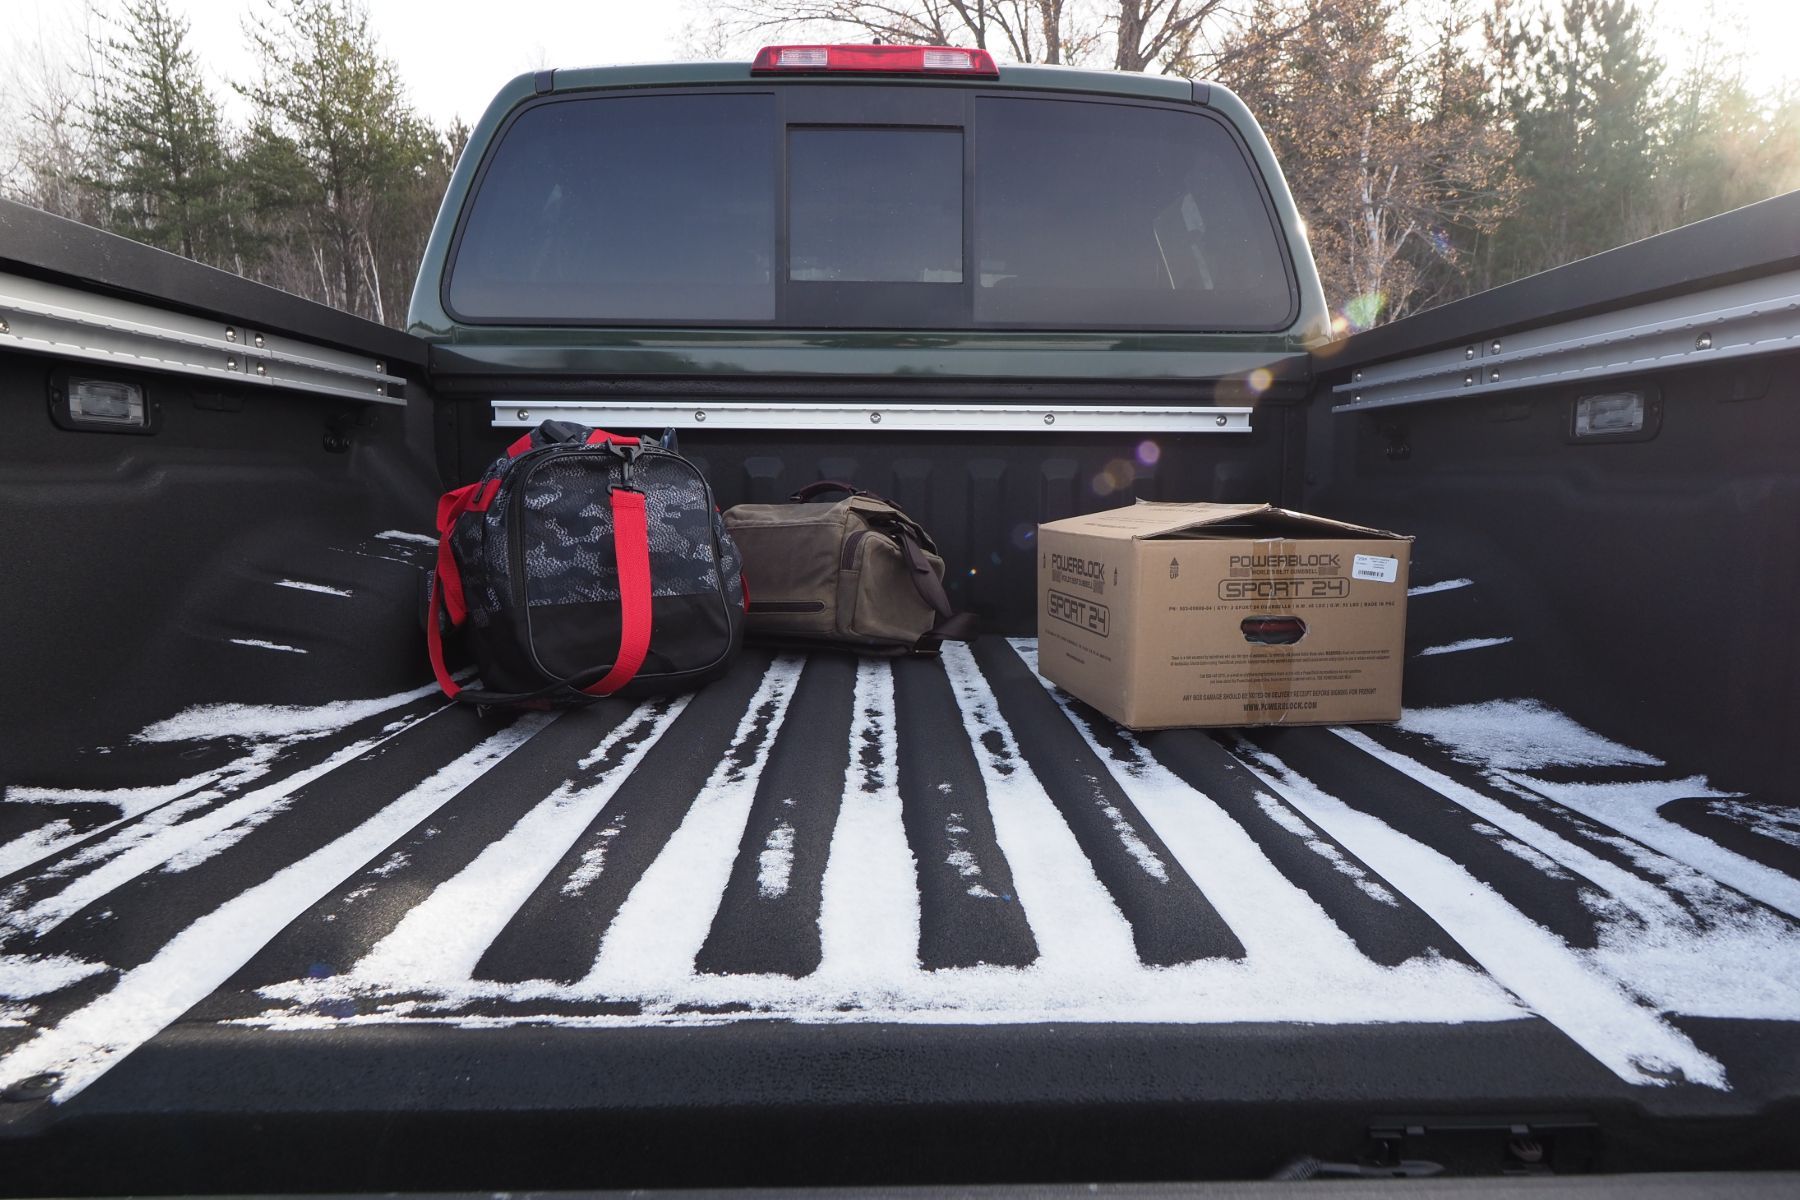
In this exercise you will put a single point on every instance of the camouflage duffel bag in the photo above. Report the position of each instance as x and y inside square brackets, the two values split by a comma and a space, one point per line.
[582, 565]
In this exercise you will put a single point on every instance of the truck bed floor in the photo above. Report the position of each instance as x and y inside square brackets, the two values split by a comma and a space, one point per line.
[859, 881]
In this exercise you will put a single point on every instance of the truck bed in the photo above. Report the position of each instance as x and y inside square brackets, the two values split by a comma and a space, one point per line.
[275, 917]
[906, 890]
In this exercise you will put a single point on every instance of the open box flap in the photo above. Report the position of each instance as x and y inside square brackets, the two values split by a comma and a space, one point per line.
[1150, 519]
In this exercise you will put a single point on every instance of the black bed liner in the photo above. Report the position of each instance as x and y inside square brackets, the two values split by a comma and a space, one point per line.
[824, 909]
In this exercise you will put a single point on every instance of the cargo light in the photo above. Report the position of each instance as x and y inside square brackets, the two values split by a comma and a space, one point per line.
[100, 405]
[874, 60]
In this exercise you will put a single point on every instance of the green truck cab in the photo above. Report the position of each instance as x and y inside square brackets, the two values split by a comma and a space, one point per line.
[724, 220]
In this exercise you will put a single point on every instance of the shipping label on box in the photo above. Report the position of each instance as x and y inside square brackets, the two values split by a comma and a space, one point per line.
[1165, 615]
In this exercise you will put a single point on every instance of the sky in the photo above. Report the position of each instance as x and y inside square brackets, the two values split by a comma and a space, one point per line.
[455, 54]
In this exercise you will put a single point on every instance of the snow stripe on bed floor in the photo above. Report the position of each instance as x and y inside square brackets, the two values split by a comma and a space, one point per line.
[438, 943]
[869, 911]
[1077, 926]
[146, 999]
[1591, 1008]
[659, 930]
[1275, 920]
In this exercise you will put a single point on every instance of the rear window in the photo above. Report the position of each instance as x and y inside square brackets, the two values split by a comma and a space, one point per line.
[626, 209]
[1037, 213]
[1146, 217]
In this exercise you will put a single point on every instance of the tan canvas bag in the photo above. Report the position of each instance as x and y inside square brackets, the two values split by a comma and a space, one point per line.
[857, 573]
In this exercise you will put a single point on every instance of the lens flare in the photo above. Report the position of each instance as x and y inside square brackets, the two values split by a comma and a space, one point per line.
[1261, 379]
[1116, 476]
[1364, 310]
[1148, 452]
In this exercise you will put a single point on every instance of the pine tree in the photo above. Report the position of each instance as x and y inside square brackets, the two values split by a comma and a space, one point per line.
[1586, 107]
[1725, 146]
[158, 140]
[332, 102]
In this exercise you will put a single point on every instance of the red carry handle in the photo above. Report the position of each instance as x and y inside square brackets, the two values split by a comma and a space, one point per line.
[595, 438]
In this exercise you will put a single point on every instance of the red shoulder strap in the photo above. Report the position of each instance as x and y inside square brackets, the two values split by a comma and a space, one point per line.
[446, 588]
[631, 550]
[434, 641]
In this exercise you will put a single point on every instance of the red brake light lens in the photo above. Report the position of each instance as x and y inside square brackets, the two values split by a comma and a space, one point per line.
[870, 60]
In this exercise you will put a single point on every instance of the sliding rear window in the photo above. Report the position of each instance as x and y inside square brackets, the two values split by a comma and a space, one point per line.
[875, 205]
[988, 211]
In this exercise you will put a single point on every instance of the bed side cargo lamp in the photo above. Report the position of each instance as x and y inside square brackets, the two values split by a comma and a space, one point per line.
[83, 402]
[1629, 414]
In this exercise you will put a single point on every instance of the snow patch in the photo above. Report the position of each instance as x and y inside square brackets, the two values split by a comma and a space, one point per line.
[1780, 822]
[171, 837]
[1447, 585]
[130, 802]
[869, 897]
[392, 863]
[1135, 845]
[1519, 735]
[1520, 850]
[259, 644]
[23, 976]
[1272, 916]
[1631, 809]
[35, 845]
[1072, 916]
[1289, 820]
[592, 863]
[775, 865]
[261, 722]
[1300, 967]
[1640, 895]
[1685, 945]
[1465, 644]
[400, 535]
[266, 732]
[301, 585]
[962, 859]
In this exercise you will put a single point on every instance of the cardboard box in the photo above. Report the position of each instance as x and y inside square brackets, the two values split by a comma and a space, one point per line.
[1166, 615]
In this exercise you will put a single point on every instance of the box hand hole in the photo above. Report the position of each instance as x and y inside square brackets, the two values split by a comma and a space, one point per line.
[1273, 631]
